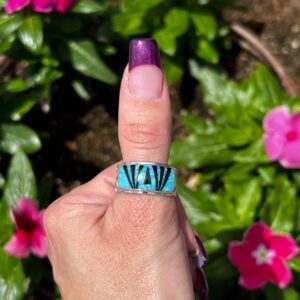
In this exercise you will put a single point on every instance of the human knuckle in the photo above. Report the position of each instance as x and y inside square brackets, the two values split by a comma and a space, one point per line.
[145, 135]
[53, 217]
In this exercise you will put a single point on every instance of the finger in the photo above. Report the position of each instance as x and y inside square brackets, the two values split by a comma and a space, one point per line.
[144, 108]
[193, 242]
[187, 228]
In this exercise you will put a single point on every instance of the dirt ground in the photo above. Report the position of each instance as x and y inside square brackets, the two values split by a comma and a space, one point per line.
[81, 138]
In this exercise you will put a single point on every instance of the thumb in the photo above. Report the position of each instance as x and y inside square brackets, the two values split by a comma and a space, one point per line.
[145, 131]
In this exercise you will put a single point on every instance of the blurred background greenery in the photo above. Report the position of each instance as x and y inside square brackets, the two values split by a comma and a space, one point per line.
[58, 110]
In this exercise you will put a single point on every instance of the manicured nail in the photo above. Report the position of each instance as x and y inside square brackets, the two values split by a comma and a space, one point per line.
[145, 72]
[201, 284]
[200, 257]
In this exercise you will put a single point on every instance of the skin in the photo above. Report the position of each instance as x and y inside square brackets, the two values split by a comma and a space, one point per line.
[108, 245]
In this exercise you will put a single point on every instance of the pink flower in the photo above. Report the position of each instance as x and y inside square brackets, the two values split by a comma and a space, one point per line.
[262, 257]
[282, 137]
[42, 6]
[29, 234]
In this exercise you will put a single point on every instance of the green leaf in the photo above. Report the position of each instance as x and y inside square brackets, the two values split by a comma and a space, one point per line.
[200, 150]
[88, 7]
[266, 90]
[254, 153]
[177, 21]
[2, 180]
[267, 174]
[31, 33]
[128, 24]
[20, 179]
[16, 85]
[9, 24]
[14, 106]
[15, 137]
[195, 124]
[173, 70]
[196, 203]
[166, 41]
[238, 171]
[212, 245]
[81, 90]
[248, 200]
[7, 227]
[6, 44]
[139, 5]
[85, 59]
[207, 51]
[13, 283]
[290, 294]
[241, 136]
[280, 207]
[295, 264]
[205, 24]
[46, 75]
[221, 94]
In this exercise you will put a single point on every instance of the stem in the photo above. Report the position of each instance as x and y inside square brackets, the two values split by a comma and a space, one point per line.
[257, 48]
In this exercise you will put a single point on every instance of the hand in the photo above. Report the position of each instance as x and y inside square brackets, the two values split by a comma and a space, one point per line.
[108, 245]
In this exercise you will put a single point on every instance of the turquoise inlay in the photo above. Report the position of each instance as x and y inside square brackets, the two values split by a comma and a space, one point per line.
[146, 177]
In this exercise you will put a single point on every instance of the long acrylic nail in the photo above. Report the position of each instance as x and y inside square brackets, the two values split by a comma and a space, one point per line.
[200, 257]
[201, 284]
[145, 71]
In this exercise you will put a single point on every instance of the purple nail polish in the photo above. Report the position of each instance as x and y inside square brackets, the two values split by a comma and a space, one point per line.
[143, 52]
[201, 284]
[201, 257]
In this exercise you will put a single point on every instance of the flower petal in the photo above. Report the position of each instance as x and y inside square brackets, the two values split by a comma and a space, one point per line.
[284, 246]
[288, 164]
[274, 144]
[19, 245]
[43, 6]
[38, 242]
[40, 218]
[255, 278]
[296, 121]
[240, 256]
[281, 274]
[291, 151]
[278, 120]
[26, 215]
[15, 5]
[28, 207]
[258, 234]
[64, 5]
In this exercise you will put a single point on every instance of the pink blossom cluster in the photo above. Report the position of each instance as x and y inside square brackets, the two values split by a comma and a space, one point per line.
[41, 6]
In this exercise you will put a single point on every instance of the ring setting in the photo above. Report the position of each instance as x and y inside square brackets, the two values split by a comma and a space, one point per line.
[146, 178]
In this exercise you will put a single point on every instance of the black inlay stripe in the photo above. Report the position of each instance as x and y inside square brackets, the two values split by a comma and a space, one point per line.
[156, 176]
[161, 176]
[147, 177]
[139, 172]
[166, 179]
[132, 168]
[127, 175]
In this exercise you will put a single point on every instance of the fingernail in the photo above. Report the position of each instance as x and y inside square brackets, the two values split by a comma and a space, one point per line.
[201, 284]
[200, 257]
[145, 71]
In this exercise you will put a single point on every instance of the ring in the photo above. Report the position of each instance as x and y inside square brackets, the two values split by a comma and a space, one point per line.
[146, 178]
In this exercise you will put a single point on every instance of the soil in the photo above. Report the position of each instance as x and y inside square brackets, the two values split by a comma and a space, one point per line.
[80, 138]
